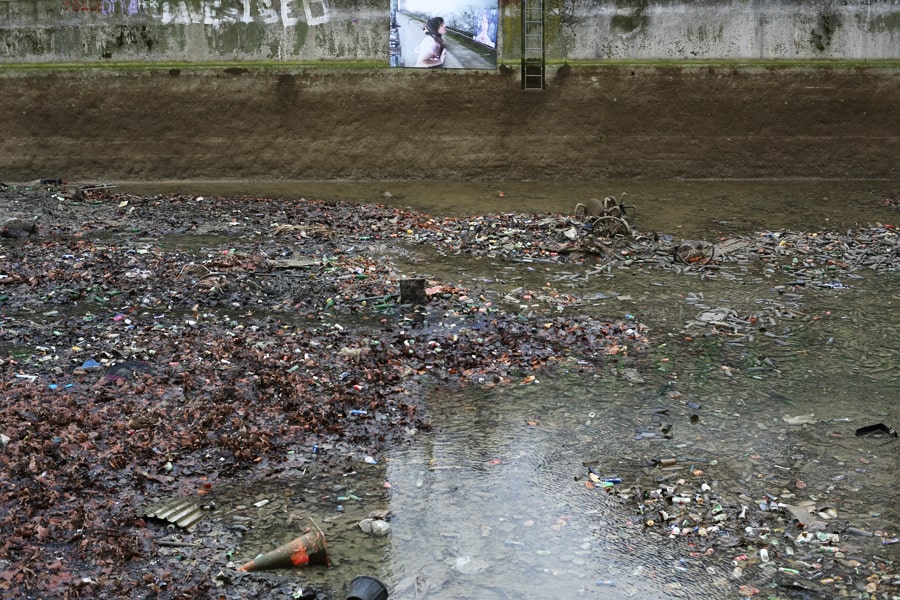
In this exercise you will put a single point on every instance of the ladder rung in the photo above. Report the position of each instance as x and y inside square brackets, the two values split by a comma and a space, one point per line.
[533, 45]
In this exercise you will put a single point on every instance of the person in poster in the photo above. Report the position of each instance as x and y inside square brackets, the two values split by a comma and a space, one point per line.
[484, 31]
[431, 52]
[463, 37]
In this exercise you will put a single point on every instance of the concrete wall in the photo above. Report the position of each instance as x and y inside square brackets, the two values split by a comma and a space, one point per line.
[191, 30]
[746, 29]
[90, 31]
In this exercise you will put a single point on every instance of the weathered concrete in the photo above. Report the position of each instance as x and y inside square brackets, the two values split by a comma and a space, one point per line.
[591, 123]
[190, 30]
[746, 29]
[38, 31]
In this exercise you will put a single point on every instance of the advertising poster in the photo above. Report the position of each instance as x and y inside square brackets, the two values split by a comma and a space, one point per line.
[443, 34]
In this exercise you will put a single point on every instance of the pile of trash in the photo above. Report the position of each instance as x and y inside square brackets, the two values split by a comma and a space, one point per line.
[809, 258]
[795, 544]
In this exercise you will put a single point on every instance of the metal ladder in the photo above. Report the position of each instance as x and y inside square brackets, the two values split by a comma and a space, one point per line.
[532, 45]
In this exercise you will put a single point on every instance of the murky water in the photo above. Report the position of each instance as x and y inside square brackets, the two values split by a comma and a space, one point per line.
[492, 505]
[493, 502]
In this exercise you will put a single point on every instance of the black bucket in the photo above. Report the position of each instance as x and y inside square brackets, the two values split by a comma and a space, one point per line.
[366, 588]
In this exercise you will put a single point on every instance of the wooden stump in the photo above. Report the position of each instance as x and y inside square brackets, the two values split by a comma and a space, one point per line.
[18, 228]
[412, 291]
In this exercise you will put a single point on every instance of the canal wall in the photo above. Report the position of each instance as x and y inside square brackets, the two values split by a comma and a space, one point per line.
[300, 89]
[591, 123]
[198, 31]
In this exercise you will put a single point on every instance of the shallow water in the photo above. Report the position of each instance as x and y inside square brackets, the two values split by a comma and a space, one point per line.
[493, 503]
[536, 532]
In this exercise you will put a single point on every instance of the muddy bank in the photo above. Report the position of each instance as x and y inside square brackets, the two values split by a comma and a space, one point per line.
[318, 124]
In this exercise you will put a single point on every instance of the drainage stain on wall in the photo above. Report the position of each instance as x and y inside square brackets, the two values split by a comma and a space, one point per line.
[823, 33]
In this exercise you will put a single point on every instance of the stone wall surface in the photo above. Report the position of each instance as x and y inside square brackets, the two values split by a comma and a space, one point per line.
[65, 31]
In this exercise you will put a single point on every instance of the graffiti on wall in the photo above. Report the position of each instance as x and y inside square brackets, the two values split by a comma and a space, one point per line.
[209, 12]
[106, 7]
[83, 5]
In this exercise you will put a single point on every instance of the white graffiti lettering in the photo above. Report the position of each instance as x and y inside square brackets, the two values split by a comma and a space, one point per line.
[209, 12]
[316, 11]
[121, 7]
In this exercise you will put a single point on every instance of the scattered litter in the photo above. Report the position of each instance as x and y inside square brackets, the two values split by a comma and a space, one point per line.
[877, 429]
[800, 419]
[308, 549]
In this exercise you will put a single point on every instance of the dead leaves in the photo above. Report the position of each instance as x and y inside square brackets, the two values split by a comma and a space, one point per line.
[146, 367]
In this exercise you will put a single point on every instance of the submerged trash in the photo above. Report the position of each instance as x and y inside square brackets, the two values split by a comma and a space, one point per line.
[366, 588]
[308, 549]
[237, 346]
[184, 512]
[468, 565]
[878, 428]
[800, 419]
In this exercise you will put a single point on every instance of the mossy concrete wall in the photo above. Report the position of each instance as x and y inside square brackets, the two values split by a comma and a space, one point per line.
[85, 31]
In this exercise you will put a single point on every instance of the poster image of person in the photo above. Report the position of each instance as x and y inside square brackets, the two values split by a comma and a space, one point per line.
[486, 28]
[431, 52]
[444, 34]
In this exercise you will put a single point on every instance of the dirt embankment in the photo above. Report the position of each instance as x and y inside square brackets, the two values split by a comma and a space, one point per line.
[590, 123]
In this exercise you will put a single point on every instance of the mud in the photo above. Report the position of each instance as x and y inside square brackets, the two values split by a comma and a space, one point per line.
[608, 122]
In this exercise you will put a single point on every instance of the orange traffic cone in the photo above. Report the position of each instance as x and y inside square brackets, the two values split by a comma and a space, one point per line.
[308, 549]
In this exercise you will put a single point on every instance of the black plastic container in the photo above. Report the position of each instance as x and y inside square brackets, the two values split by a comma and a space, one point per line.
[366, 588]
